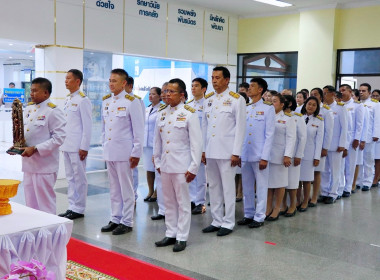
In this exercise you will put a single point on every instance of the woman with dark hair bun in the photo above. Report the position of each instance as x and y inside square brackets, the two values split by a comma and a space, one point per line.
[315, 132]
[281, 156]
[294, 168]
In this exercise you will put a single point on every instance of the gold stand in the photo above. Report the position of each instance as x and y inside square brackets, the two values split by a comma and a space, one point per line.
[8, 189]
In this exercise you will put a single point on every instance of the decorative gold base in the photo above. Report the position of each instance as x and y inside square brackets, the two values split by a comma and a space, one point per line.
[5, 207]
[8, 189]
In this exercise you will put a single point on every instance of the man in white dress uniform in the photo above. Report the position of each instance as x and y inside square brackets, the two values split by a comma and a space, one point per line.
[78, 111]
[223, 128]
[177, 156]
[44, 127]
[123, 134]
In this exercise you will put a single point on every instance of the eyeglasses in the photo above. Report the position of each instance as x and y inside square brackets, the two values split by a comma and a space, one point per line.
[171, 91]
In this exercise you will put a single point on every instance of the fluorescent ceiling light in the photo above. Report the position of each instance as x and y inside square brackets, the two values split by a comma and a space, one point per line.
[275, 3]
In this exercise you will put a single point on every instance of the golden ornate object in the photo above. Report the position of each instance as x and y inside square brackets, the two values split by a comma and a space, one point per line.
[18, 128]
[8, 189]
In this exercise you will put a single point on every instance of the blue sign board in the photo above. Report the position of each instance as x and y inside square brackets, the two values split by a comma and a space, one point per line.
[11, 94]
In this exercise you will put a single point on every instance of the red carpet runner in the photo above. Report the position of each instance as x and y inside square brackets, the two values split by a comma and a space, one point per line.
[116, 264]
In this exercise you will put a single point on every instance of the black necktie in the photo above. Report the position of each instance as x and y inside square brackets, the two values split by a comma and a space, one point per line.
[151, 111]
[307, 120]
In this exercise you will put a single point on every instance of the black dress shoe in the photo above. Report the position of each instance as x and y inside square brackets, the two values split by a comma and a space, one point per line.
[74, 215]
[311, 204]
[321, 198]
[240, 199]
[64, 214]
[147, 198]
[272, 219]
[353, 191]
[267, 216]
[346, 194]
[255, 224]
[284, 211]
[110, 227]
[358, 187]
[157, 217]
[165, 242]
[210, 228]
[121, 229]
[179, 246]
[329, 200]
[199, 209]
[365, 188]
[245, 221]
[338, 197]
[192, 205]
[223, 231]
[375, 185]
[152, 199]
[288, 215]
[302, 209]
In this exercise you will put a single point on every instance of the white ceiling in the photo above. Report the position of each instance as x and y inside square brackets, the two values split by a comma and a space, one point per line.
[250, 8]
[11, 50]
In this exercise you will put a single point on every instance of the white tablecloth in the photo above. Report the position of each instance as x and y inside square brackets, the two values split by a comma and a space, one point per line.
[31, 234]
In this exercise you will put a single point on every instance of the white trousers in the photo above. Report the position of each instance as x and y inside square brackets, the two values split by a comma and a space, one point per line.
[255, 208]
[77, 181]
[121, 192]
[348, 171]
[177, 204]
[221, 178]
[39, 191]
[198, 186]
[367, 170]
[160, 195]
[135, 172]
[330, 177]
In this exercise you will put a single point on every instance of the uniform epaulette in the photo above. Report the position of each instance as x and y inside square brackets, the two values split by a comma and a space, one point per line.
[357, 102]
[68, 95]
[374, 100]
[31, 103]
[298, 114]
[162, 107]
[326, 107]
[249, 103]
[129, 97]
[288, 114]
[319, 117]
[51, 105]
[106, 96]
[82, 94]
[340, 103]
[234, 94]
[209, 95]
[189, 108]
[190, 101]
[267, 103]
[138, 97]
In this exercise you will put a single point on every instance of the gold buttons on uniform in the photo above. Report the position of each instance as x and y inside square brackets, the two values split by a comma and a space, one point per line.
[27, 129]
[109, 138]
[213, 135]
[170, 122]
[167, 152]
[250, 125]
[250, 134]
[167, 142]
[168, 132]
[110, 129]
[249, 142]
[213, 126]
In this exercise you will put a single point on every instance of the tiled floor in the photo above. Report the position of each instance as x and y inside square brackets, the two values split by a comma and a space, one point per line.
[339, 241]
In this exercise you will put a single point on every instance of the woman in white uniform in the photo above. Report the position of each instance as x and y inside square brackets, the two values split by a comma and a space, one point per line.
[281, 156]
[312, 155]
[300, 99]
[376, 96]
[150, 123]
[295, 167]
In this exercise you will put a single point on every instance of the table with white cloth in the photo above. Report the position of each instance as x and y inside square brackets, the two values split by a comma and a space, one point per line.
[31, 234]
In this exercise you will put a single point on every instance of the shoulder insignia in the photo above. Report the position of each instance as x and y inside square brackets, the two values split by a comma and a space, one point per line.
[31, 103]
[209, 95]
[326, 107]
[374, 100]
[68, 95]
[340, 103]
[357, 102]
[298, 114]
[288, 114]
[267, 103]
[234, 94]
[162, 107]
[249, 103]
[106, 96]
[188, 108]
[51, 105]
[82, 94]
[138, 97]
[190, 101]
[129, 97]
[319, 117]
